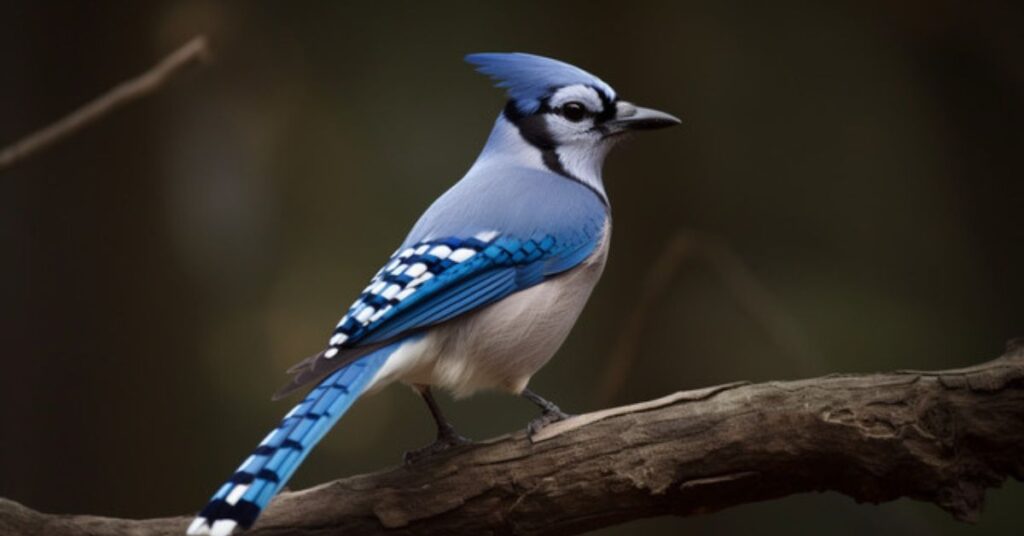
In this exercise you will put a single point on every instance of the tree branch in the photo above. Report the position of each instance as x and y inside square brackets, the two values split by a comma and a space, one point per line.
[942, 437]
[192, 53]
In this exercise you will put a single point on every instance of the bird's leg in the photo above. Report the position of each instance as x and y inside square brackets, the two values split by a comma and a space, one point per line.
[447, 437]
[549, 412]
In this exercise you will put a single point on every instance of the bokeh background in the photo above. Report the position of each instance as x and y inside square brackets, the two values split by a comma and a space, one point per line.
[856, 163]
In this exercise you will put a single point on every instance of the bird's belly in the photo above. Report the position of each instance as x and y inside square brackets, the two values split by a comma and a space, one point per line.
[502, 345]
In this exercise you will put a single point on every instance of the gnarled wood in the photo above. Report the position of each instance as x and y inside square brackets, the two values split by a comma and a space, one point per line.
[942, 437]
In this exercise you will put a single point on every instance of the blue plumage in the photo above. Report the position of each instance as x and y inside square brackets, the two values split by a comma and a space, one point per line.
[502, 267]
[530, 78]
[485, 287]
[265, 472]
[558, 220]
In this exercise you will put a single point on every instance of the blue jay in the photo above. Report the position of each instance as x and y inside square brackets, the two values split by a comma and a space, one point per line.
[485, 287]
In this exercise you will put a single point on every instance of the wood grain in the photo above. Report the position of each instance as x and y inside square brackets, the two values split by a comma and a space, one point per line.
[942, 437]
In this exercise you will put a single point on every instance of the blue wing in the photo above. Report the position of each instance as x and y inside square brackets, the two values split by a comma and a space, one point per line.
[496, 232]
[434, 281]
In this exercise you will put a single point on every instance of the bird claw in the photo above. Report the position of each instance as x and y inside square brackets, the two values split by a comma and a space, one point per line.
[547, 417]
[444, 441]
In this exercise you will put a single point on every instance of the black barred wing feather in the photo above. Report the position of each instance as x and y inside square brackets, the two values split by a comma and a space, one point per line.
[436, 280]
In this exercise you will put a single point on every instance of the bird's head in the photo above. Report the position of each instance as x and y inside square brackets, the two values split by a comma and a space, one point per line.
[567, 114]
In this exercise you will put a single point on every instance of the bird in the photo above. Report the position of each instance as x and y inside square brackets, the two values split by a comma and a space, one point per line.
[484, 289]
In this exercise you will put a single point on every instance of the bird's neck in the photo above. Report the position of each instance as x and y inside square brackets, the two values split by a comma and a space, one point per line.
[507, 146]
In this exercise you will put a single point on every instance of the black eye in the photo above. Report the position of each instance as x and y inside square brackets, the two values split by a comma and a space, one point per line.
[574, 111]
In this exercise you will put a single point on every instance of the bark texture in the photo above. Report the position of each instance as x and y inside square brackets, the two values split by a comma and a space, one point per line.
[942, 437]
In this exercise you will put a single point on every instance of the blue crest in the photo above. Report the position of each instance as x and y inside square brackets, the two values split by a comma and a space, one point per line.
[530, 78]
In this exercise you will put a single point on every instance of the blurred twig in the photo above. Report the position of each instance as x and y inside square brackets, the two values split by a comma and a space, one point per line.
[738, 280]
[192, 53]
[942, 437]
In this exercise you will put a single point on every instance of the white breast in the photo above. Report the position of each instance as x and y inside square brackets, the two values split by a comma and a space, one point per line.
[502, 345]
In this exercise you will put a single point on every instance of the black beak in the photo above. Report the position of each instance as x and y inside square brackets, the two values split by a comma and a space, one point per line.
[631, 117]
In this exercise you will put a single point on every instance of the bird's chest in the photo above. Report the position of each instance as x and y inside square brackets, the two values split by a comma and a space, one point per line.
[502, 345]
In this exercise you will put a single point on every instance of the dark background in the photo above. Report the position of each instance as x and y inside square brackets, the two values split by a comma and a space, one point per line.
[161, 269]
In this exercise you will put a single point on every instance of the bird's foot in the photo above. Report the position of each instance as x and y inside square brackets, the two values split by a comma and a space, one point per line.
[446, 440]
[548, 416]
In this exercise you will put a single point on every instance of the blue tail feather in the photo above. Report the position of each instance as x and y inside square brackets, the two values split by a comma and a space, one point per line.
[240, 500]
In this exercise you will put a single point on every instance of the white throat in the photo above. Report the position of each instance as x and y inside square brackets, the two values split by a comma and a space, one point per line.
[584, 163]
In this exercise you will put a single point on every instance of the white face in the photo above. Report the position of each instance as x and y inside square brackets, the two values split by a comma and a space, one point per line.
[571, 133]
[574, 121]
[574, 116]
